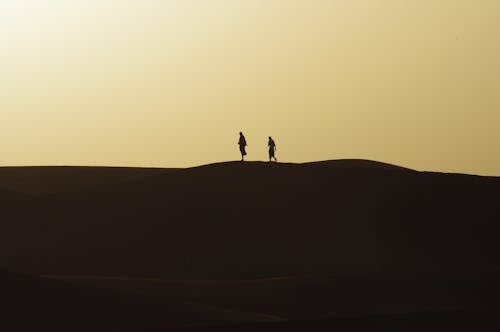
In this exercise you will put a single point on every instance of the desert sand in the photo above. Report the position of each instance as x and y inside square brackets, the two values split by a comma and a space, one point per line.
[252, 246]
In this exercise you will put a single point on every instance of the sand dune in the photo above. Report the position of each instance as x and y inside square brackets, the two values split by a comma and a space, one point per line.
[455, 320]
[255, 220]
[310, 297]
[324, 240]
[57, 179]
[45, 304]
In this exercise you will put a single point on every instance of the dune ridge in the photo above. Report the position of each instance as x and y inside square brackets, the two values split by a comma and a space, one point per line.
[241, 243]
[257, 220]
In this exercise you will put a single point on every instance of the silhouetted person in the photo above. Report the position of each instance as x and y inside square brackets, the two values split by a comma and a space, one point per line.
[272, 149]
[242, 143]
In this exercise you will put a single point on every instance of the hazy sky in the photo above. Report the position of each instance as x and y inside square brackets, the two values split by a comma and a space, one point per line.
[171, 83]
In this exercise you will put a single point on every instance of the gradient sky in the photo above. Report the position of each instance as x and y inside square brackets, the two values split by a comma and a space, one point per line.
[171, 83]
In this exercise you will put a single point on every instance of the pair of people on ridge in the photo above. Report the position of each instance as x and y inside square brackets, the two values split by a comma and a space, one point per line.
[243, 144]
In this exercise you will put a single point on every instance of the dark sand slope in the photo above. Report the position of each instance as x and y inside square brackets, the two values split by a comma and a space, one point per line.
[45, 180]
[304, 298]
[253, 220]
[439, 321]
[327, 240]
[41, 304]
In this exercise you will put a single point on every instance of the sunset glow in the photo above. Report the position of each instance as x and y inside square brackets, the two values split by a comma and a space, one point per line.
[171, 83]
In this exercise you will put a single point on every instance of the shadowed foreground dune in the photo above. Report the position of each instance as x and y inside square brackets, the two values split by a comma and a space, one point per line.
[250, 242]
[34, 304]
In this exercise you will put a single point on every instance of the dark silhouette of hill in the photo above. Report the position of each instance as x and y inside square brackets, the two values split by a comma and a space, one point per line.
[314, 297]
[60, 179]
[43, 304]
[250, 220]
[345, 243]
[358, 163]
[117, 304]
[447, 320]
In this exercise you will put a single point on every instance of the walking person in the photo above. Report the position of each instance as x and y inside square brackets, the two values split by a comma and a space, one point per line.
[272, 149]
[242, 143]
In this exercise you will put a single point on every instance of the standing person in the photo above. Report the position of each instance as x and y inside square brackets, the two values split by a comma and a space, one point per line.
[272, 149]
[242, 143]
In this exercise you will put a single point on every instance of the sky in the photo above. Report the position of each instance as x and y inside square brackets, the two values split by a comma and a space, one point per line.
[171, 83]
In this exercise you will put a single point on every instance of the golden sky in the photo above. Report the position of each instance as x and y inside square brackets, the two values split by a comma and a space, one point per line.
[171, 83]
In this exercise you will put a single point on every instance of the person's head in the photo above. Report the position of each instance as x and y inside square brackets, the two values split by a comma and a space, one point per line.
[241, 134]
[270, 138]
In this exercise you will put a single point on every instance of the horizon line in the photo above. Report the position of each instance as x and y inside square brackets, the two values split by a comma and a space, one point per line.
[380, 163]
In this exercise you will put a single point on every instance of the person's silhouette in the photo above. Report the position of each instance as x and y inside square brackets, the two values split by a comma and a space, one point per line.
[242, 143]
[272, 149]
